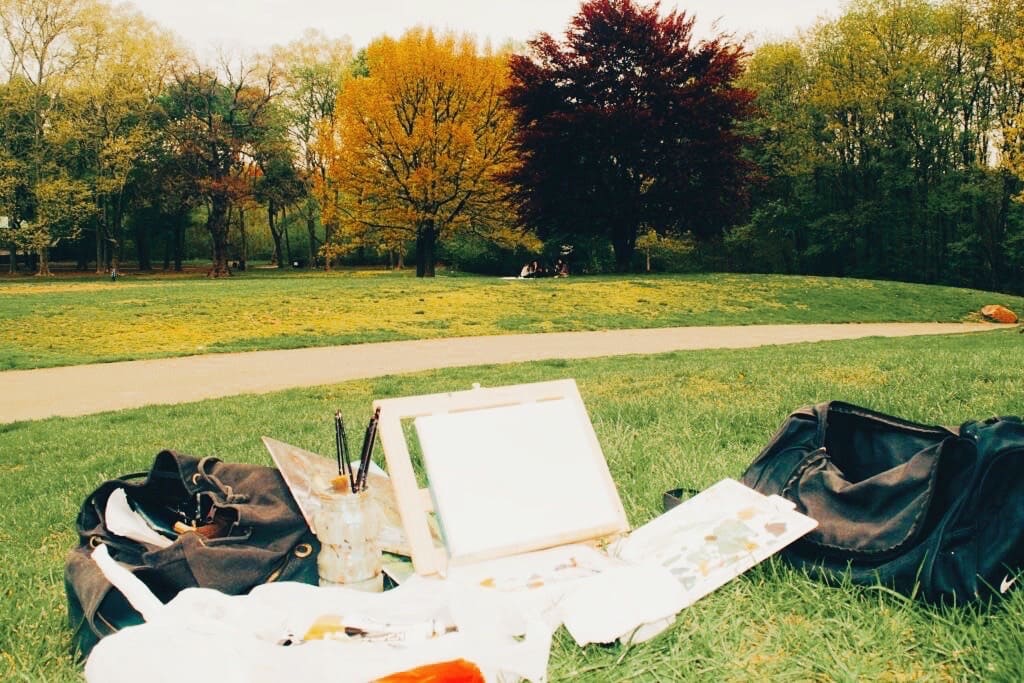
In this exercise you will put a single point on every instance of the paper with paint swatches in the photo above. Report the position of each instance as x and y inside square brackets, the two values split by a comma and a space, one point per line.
[715, 536]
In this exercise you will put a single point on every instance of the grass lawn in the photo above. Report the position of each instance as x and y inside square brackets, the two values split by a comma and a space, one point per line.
[680, 419]
[91, 320]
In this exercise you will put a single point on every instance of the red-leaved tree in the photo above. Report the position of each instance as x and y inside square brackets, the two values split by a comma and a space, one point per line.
[627, 124]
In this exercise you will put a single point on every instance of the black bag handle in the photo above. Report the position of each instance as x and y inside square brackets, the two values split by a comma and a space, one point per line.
[673, 498]
[230, 497]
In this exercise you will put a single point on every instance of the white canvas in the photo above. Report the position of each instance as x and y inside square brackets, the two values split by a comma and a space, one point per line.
[514, 475]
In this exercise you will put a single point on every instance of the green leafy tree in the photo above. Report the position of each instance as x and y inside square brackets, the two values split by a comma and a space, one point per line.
[17, 144]
[166, 195]
[787, 152]
[1008, 78]
[63, 206]
[278, 186]
[41, 47]
[878, 133]
[212, 123]
[125, 64]
[314, 69]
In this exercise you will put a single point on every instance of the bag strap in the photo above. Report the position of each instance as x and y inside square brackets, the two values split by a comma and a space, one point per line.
[821, 411]
[202, 474]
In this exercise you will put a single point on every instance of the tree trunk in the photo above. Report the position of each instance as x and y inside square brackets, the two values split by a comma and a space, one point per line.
[624, 245]
[101, 255]
[179, 241]
[426, 239]
[287, 241]
[13, 268]
[143, 245]
[169, 247]
[117, 231]
[329, 233]
[116, 245]
[1000, 272]
[82, 254]
[275, 234]
[244, 256]
[329, 230]
[311, 229]
[217, 225]
[44, 262]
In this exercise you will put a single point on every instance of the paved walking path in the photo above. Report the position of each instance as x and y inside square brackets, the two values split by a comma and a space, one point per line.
[86, 389]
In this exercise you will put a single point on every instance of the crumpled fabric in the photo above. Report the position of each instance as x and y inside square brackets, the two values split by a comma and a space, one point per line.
[598, 598]
[257, 638]
[499, 615]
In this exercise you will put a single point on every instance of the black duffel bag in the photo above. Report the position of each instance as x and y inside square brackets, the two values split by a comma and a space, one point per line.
[931, 512]
[234, 526]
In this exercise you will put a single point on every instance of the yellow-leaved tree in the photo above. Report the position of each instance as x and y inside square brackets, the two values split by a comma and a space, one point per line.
[1009, 86]
[417, 145]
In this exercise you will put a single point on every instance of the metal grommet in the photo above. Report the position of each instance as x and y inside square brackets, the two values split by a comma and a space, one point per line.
[95, 541]
[195, 479]
[303, 550]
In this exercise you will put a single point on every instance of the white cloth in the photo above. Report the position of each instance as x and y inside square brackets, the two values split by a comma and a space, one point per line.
[240, 638]
[599, 599]
[505, 612]
[628, 603]
[124, 521]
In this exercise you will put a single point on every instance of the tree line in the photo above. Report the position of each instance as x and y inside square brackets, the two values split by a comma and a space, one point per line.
[890, 145]
[885, 143]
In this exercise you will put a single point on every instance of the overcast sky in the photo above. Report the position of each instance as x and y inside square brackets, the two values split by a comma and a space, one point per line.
[254, 25]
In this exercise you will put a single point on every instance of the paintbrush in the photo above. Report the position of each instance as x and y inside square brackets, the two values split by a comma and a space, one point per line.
[344, 445]
[364, 463]
[337, 442]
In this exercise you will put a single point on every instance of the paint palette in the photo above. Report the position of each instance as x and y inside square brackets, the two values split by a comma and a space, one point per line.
[715, 536]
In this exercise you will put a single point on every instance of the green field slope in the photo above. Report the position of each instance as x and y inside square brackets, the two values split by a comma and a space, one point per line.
[72, 322]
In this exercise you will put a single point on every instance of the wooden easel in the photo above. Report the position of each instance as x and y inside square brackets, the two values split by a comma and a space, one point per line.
[594, 512]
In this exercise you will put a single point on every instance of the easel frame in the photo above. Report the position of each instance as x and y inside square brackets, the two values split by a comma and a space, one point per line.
[414, 503]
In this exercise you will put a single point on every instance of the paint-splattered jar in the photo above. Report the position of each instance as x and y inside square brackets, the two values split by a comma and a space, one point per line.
[348, 526]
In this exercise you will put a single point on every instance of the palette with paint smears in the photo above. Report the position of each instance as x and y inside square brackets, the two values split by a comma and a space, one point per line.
[715, 536]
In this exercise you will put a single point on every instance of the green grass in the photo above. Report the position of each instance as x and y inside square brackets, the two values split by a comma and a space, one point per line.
[679, 419]
[92, 320]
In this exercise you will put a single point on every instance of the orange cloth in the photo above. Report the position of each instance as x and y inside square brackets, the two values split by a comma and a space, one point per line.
[458, 671]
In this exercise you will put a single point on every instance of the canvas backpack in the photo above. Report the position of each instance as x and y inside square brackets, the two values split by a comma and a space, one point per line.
[931, 512]
[266, 539]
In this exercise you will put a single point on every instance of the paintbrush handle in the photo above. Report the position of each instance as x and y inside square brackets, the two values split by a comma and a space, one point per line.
[364, 464]
[344, 446]
[337, 442]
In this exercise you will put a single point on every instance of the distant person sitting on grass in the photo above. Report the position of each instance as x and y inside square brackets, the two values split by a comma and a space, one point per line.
[561, 268]
[530, 269]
